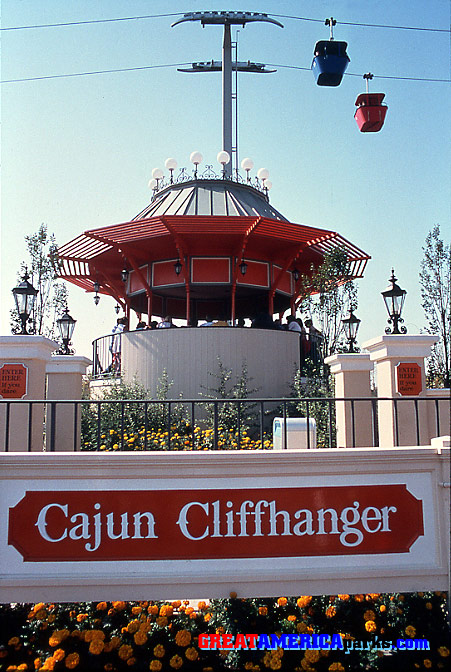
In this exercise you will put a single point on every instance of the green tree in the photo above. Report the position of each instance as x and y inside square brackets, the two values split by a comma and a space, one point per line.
[42, 266]
[435, 283]
[327, 292]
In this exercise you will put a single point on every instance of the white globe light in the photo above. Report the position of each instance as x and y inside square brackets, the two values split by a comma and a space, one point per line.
[223, 158]
[152, 184]
[247, 164]
[196, 158]
[157, 173]
[170, 164]
[268, 184]
[263, 174]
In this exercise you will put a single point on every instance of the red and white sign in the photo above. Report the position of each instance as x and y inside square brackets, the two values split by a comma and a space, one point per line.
[194, 524]
[13, 381]
[408, 379]
[87, 526]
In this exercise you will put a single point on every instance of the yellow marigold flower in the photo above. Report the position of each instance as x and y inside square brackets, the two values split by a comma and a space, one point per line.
[159, 651]
[72, 661]
[331, 612]
[59, 654]
[410, 631]
[125, 652]
[370, 626]
[427, 663]
[155, 666]
[176, 662]
[96, 646]
[183, 638]
[161, 621]
[443, 651]
[369, 615]
[282, 601]
[304, 601]
[119, 605]
[336, 667]
[14, 641]
[140, 638]
[382, 608]
[191, 653]
[263, 611]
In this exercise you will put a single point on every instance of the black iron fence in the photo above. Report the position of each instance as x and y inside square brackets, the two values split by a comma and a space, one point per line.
[216, 424]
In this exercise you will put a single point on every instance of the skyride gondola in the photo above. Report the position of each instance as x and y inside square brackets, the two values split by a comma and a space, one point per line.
[330, 59]
[370, 113]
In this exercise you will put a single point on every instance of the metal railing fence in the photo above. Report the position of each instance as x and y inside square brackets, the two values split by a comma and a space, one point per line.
[192, 424]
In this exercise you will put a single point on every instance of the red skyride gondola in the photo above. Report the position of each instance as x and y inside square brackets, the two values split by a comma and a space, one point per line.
[370, 113]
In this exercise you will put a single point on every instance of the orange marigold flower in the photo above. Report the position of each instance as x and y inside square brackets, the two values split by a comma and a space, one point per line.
[312, 655]
[176, 604]
[189, 610]
[410, 631]
[193, 615]
[131, 661]
[166, 610]
[38, 606]
[37, 663]
[115, 641]
[161, 621]
[101, 606]
[207, 617]
[136, 610]
[72, 661]
[153, 609]
[119, 606]
[176, 662]
[125, 652]
[370, 626]
[427, 663]
[201, 605]
[49, 664]
[22, 666]
[373, 596]
[81, 618]
[96, 647]
[140, 638]
[382, 608]
[14, 641]
[331, 612]
[291, 618]
[304, 601]
[343, 598]
[369, 615]
[336, 667]
[191, 653]
[108, 667]
[132, 627]
[263, 611]
[155, 666]
[59, 654]
[41, 614]
[183, 638]
[282, 601]
[443, 651]
[428, 605]
[359, 598]
[159, 651]
[91, 635]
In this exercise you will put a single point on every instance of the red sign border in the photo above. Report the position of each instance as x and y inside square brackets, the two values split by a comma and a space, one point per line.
[26, 378]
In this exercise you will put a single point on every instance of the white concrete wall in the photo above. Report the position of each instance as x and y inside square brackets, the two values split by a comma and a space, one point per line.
[190, 355]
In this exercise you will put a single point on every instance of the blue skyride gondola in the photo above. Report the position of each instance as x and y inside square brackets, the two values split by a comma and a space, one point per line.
[330, 59]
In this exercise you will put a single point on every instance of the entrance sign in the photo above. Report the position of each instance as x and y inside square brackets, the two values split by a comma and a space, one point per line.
[193, 524]
[408, 379]
[13, 381]
[87, 526]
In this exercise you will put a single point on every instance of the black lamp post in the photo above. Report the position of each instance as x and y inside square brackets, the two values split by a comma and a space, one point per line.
[351, 326]
[296, 274]
[243, 267]
[394, 298]
[25, 298]
[178, 267]
[124, 275]
[66, 326]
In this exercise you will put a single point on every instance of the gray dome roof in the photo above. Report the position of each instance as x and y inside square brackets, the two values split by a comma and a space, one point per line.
[210, 197]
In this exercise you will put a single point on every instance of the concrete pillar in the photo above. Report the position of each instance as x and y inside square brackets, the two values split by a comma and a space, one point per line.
[404, 423]
[22, 424]
[64, 381]
[352, 380]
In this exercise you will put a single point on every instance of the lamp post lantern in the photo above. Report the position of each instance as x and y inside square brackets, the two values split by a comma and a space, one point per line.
[351, 326]
[66, 326]
[25, 298]
[394, 298]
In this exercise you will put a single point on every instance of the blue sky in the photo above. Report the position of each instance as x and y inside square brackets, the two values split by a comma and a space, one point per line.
[78, 152]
